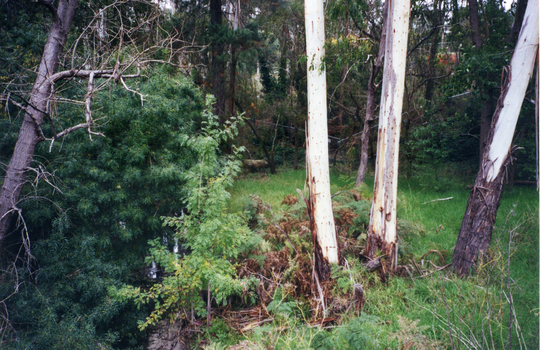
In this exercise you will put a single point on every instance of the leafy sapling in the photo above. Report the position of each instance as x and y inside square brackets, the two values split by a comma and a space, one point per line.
[214, 237]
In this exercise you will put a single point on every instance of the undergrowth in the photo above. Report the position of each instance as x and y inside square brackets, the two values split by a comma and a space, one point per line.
[423, 306]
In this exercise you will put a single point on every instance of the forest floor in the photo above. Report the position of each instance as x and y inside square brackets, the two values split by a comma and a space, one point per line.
[422, 306]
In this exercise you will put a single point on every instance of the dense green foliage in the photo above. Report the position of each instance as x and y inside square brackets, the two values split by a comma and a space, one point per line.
[92, 231]
[212, 236]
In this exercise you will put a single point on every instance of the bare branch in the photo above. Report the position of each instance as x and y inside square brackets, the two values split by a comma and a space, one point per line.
[81, 73]
[73, 128]
[429, 34]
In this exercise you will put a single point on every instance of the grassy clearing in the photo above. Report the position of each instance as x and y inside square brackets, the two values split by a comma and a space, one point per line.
[273, 188]
[487, 310]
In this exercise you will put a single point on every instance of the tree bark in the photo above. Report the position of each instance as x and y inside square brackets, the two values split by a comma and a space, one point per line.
[30, 133]
[475, 23]
[234, 13]
[382, 227]
[318, 177]
[371, 104]
[480, 214]
[218, 64]
[232, 80]
[430, 84]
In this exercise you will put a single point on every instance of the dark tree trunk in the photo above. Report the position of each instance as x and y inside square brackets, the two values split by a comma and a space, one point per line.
[435, 19]
[30, 133]
[371, 105]
[475, 23]
[232, 80]
[295, 161]
[477, 225]
[518, 20]
[455, 12]
[218, 63]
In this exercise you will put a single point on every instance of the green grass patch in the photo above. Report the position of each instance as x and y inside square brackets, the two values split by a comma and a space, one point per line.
[420, 312]
[273, 188]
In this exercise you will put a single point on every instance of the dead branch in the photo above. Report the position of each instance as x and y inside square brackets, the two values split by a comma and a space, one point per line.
[438, 200]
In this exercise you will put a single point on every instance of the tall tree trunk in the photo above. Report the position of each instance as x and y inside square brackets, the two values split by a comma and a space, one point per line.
[30, 133]
[383, 222]
[371, 104]
[455, 12]
[218, 63]
[234, 17]
[480, 214]
[232, 80]
[430, 84]
[318, 177]
[475, 23]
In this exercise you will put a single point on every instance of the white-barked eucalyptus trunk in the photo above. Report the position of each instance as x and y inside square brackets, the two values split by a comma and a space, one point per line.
[382, 224]
[480, 214]
[320, 201]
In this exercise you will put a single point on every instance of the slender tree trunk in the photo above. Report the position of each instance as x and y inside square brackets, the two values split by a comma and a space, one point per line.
[455, 12]
[232, 80]
[480, 214]
[430, 84]
[318, 177]
[383, 222]
[30, 133]
[218, 63]
[295, 160]
[235, 19]
[475, 23]
[371, 104]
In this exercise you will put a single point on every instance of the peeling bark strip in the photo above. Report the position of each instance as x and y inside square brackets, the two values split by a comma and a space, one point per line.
[382, 224]
[320, 201]
[30, 133]
[480, 214]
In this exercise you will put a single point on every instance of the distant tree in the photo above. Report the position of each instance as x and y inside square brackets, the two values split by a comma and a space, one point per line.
[217, 32]
[382, 229]
[480, 214]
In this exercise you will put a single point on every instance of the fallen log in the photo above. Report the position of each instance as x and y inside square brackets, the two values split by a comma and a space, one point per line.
[255, 164]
